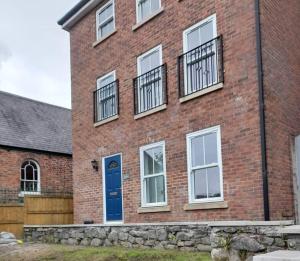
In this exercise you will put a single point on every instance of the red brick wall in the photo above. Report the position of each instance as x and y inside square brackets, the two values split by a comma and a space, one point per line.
[55, 170]
[281, 56]
[235, 108]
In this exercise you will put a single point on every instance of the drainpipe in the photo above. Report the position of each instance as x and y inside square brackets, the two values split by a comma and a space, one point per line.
[262, 113]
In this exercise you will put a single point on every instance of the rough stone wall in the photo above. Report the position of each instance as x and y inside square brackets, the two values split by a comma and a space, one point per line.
[281, 67]
[184, 237]
[55, 170]
[228, 242]
[234, 108]
[245, 241]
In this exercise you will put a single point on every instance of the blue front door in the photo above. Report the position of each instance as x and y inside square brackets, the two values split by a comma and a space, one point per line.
[113, 188]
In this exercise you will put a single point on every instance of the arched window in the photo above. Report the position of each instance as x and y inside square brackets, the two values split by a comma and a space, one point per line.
[30, 176]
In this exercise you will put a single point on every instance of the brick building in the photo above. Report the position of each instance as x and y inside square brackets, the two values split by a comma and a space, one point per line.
[35, 148]
[185, 110]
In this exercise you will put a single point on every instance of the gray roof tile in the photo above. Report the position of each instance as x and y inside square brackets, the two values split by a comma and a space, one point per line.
[31, 124]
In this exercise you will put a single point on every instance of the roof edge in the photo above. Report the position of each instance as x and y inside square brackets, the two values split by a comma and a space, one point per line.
[36, 101]
[77, 12]
[36, 150]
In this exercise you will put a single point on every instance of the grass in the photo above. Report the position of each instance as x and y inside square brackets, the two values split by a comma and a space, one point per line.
[66, 253]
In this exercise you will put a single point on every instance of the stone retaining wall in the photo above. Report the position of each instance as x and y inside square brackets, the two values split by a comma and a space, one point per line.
[226, 241]
[185, 237]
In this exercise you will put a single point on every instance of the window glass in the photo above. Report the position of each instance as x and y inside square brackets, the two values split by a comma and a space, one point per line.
[106, 13]
[211, 150]
[206, 32]
[148, 162]
[200, 184]
[193, 39]
[150, 61]
[107, 28]
[151, 191]
[29, 177]
[160, 185]
[105, 20]
[200, 35]
[153, 175]
[146, 8]
[213, 180]
[197, 151]
[205, 174]
[106, 80]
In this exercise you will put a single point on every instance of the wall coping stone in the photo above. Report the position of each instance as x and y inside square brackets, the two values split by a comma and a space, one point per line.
[210, 224]
[291, 230]
[122, 225]
[250, 223]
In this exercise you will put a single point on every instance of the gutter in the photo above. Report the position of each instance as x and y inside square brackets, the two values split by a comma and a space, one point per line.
[262, 122]
[8, 147]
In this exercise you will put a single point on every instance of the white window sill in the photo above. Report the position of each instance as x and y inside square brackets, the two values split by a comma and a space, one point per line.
[141, 23]
[206, 205]
[142, 210]
[113, 118]
[154, 110]
[104, 38]
[22, 194]
[202, 92]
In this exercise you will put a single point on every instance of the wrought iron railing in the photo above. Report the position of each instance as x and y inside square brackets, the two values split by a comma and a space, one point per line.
[150, 89]
[201, 67]
[106, 101]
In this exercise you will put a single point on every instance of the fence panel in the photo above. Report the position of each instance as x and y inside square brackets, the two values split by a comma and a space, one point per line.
[36, 210]
[12, 219]
[43, 210]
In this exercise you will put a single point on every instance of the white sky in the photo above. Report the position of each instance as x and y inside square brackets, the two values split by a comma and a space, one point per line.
[34, 50]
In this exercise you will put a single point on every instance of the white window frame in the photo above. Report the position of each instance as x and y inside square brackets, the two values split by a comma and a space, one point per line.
[138, 18]
[113, 73]
[139, 58]
[159, 48]
[189, 137]
[38, 192]
[212, 18]
[143, 184]
[99, 24]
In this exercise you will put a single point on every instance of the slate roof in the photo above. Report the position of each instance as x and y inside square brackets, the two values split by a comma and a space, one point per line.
[30, 124]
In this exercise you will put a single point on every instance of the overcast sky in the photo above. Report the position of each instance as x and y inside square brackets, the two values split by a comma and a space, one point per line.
[34, 50]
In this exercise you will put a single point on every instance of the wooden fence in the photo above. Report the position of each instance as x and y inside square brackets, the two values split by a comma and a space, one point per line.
[36, 210]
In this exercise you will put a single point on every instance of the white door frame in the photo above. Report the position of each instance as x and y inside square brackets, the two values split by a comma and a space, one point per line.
[104, 190]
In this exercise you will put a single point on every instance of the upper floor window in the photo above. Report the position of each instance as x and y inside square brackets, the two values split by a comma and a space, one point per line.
[106, 97]
[153, 174]
[30, 177]
[105, 18]
[200, 64]
[205, 165]
[145, 8]
[149, 86]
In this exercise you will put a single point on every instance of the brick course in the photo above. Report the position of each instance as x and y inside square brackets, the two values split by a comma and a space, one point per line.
[281, 64]
[234, 108]
[55, 170]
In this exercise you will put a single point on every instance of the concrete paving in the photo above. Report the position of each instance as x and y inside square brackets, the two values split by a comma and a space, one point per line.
[281, 255]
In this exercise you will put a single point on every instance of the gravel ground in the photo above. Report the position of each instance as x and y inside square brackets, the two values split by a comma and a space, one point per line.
[24, 252]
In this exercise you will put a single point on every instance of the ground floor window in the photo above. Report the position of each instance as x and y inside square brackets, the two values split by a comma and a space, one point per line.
[153, 174]
[205, 165]
[30, 176]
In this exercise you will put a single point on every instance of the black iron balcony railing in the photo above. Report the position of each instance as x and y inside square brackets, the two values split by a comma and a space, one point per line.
[150, 89]
[106, 101]
[201, 67]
